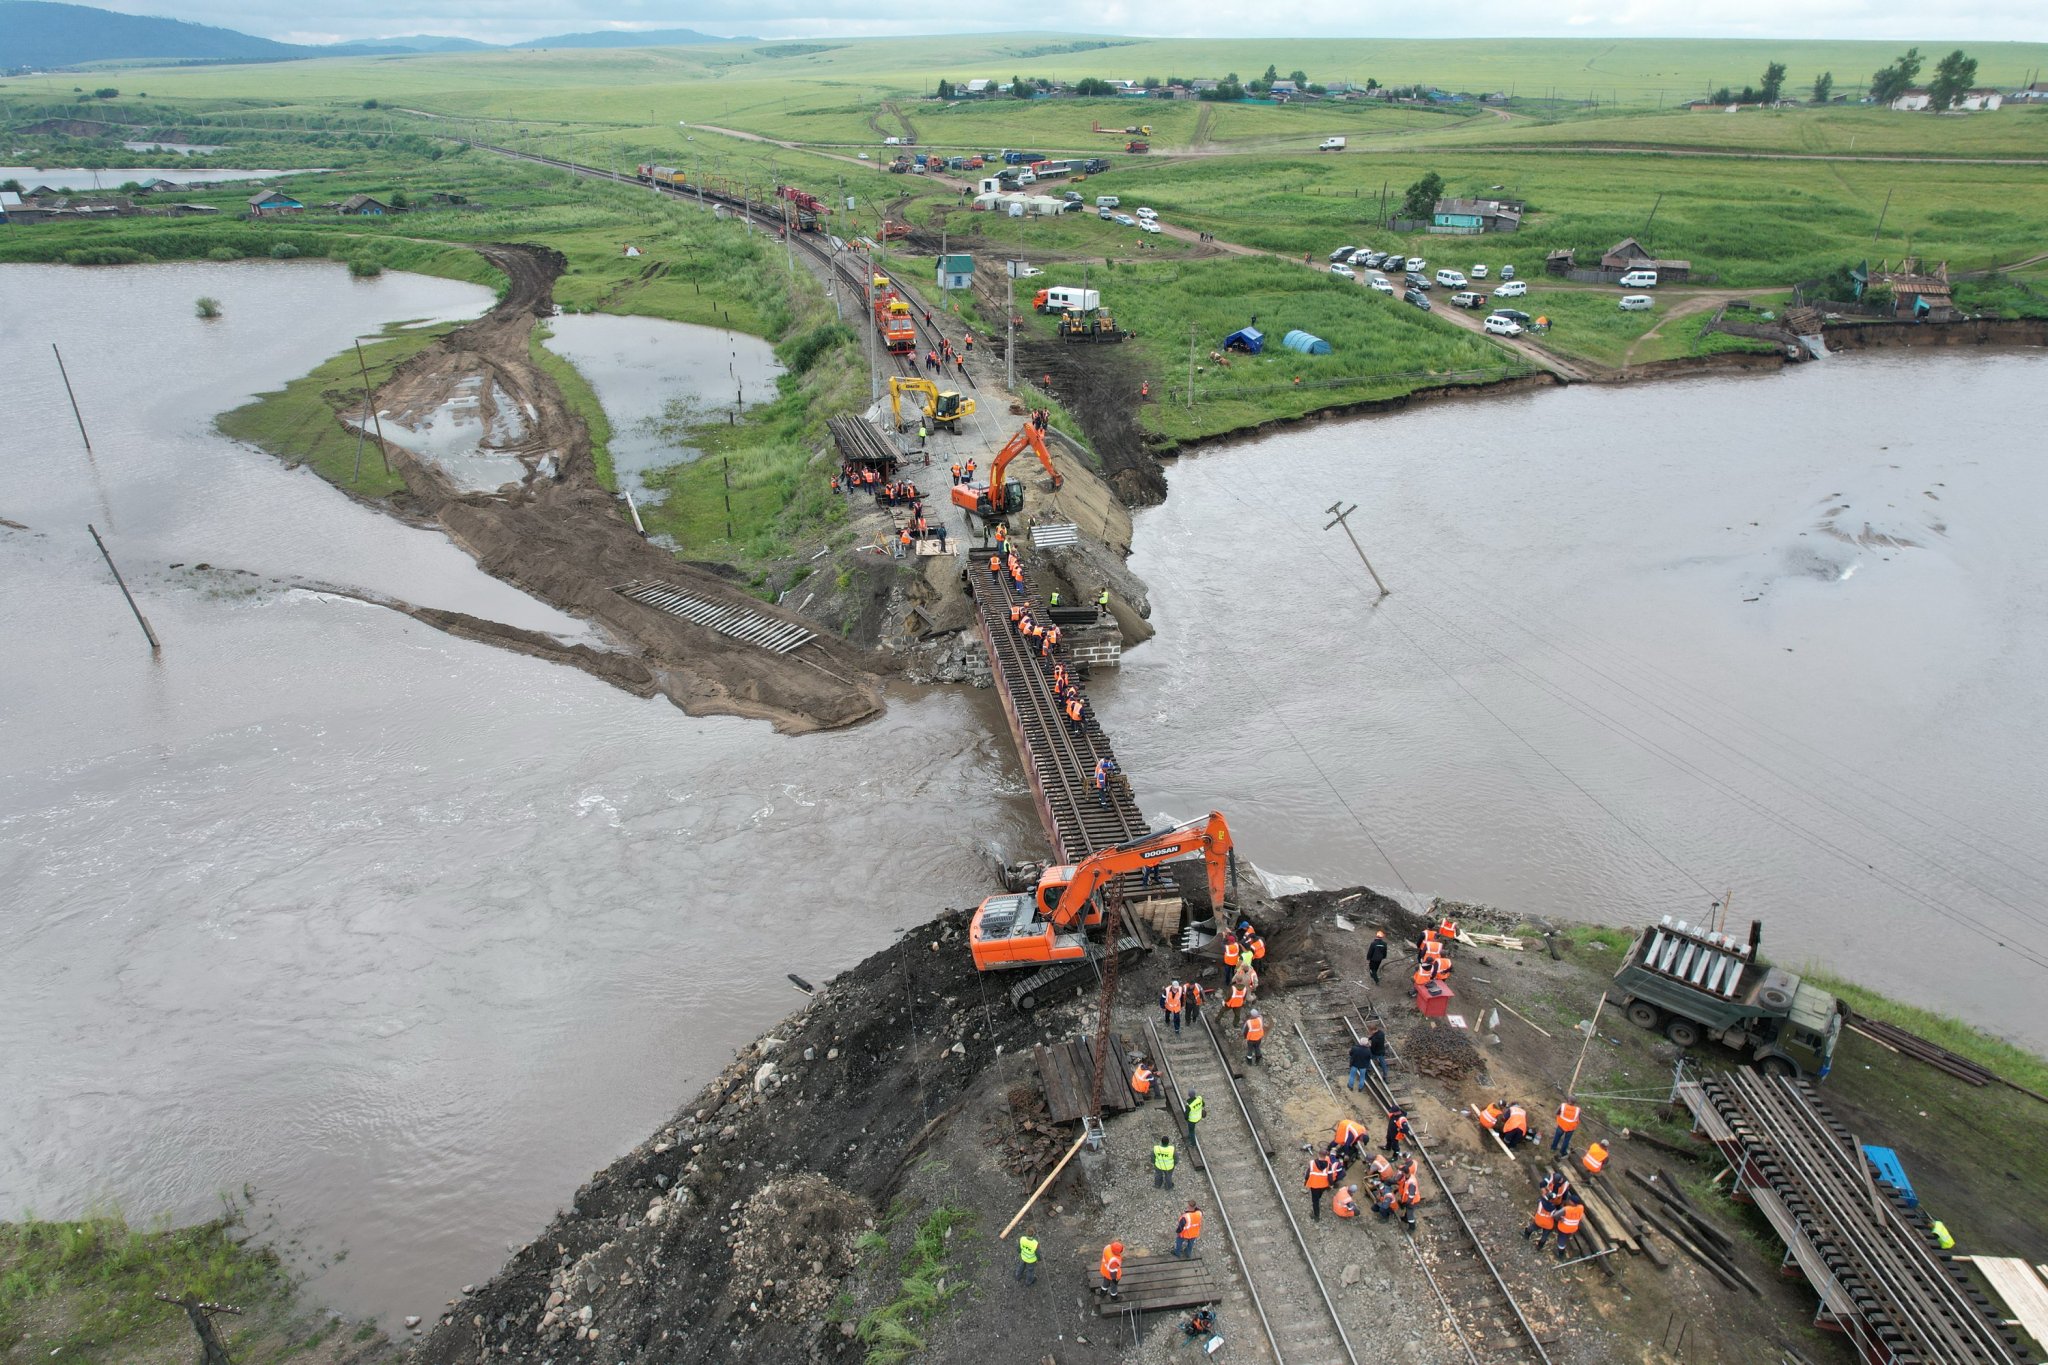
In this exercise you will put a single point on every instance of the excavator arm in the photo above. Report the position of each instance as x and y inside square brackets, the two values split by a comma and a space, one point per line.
[1002, 496]
[1030, 438]
[902, 384]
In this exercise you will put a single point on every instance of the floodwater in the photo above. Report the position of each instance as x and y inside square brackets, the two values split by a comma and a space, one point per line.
[473, 449]
[407, 933]
[112, 178]
[1781, 635]
[181, 148]
[638, 366]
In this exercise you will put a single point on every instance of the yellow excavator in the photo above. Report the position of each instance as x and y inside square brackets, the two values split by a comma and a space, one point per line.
[943, 408]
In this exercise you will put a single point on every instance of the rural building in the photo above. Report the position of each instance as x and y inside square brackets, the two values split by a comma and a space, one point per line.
[10, 203]
[1472, 216]
[363, 206]
[1913, 99]
[956, 271]
[1980, 99]
[1630, 254]
[272, 203]
[980, 86]
[186, 210]
[1560, 262]
[2036, 93]
[1916, 292]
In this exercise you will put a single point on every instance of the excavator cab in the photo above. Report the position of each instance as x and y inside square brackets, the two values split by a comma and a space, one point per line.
[947, 407]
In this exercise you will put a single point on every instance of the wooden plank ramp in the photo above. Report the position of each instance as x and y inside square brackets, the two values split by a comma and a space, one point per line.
[2021, 1288]
[1155, 1282]
[1066, 1072]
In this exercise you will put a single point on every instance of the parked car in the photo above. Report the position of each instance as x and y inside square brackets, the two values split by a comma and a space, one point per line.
[1639, 279]
[1416, 281]
[1344, 270]
[1636, 303]
[1107, 201]
[1450, 279]
[1514, 315]
[1419, 299]
[1379, 285]
[1375, 259]
[1148, 225]
[1503, 327]
[1466, 298]
[1125, 220]
[1478, 272]
[1071, 196]
[1147, 213]
[865, 157]
[1417, 264]
[1105, 214]
[1507, 272]
[1342, 253]
[1362, 256]
[1510, 289]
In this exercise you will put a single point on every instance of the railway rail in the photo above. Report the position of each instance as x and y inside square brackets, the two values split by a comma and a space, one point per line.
[1478, 1304]
[1874, 1262]
[1274, 1259]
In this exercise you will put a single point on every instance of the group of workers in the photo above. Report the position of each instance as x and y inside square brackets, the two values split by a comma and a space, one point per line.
[1394, 1186]
[1558, 1210]
[1432, 961]
[963, 472]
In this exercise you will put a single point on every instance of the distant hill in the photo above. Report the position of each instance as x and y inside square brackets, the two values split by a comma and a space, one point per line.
[38, 33]
[652, 37]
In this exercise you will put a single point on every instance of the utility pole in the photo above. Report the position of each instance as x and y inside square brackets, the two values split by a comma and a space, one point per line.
[1191, 367]
[155, 647]
[75, 414]
[1880, 216]
[375, 416]
[1653, 213]
[1340, 512]
[1010, 332]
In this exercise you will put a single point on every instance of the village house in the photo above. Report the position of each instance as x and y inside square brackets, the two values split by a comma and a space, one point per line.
[272, 204]
[1630, 254]
[1470, 217]
[2033, 94]
[1909, 100]
[980, 87]
[1916, 293]
[363, 206]
[1980, 99]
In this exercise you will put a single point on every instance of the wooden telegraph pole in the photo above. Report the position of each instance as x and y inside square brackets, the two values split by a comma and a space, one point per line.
[1341, 512]
[214, 1350]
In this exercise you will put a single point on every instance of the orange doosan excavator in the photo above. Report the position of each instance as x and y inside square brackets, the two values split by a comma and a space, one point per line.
[1004, 496]
[1045, 926]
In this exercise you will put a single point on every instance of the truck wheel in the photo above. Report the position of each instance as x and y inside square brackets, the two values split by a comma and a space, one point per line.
[1643, 1014]
[1683, 1032]
[1778, 1065]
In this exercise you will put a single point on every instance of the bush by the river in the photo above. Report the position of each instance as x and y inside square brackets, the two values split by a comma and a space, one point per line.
[207, 306]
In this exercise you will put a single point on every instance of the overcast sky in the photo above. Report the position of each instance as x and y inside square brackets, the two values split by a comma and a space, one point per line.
[516, 20]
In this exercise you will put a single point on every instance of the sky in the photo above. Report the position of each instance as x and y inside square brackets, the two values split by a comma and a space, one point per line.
[517, 20]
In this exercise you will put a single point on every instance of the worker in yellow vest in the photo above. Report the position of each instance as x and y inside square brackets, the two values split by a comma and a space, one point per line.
[1162, 1163]
[1027, 1258]
[1567, 1124]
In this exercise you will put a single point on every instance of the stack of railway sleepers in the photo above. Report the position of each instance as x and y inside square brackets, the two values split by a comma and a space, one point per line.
[1067, 1072]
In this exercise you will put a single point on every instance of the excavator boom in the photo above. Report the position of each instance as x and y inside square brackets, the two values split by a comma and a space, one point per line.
[943, 408]
[1001, 496]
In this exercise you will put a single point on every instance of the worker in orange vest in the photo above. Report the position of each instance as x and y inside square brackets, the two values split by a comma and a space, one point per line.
[1142, 1077]
[956, 471]
[1489, 1117]
[1112, 1269]
[1349, 1135]
[1315, 1182]
[1258, 948]
[1555, 1187]
[1187, 1231]
[1001, 534]
[1407, 1195]
[1231, 952]
[1234, 1002]
[1195, 998]
[1397, 1130]
[1569, 1218]
[1514, 1129]
[1170, 998]
[1595, 1158]
[1567, 1124]
[1344, 1203]
[1542, 1222]
[1254, 1039]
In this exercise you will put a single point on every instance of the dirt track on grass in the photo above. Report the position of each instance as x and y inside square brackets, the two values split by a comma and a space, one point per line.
[566, 540]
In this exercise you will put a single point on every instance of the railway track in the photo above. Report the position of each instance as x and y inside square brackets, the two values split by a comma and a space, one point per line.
[1479, 1306]
[1253, 1204]
[1880, 1275]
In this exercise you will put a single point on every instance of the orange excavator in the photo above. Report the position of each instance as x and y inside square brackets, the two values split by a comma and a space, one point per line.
[1045, 926]
[1001, 496]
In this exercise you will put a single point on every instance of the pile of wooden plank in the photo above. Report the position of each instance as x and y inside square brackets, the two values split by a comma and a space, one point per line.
[1067, 1072]
[1908, 1044]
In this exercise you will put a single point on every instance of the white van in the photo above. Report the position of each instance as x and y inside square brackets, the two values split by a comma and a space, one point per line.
[1635, 303]
[1107, 201]
[1450, 279]
[1639, 279]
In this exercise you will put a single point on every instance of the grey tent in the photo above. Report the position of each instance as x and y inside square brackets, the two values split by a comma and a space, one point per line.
[1305, 343]
[1250, 340]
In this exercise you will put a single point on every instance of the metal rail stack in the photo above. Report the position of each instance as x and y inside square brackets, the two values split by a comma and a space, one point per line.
[1874, 1263]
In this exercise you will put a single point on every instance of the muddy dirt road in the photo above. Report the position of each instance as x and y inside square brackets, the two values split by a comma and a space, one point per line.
[564, 538]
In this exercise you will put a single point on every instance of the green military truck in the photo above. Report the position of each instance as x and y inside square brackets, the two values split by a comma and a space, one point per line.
[1697, 985]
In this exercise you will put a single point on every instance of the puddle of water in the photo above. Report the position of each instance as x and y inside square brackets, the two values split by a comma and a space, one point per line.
[113, 177]
[468, 445]
[181, 148]
[639, 365]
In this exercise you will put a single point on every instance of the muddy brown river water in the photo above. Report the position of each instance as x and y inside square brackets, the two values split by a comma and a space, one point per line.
[411, 935]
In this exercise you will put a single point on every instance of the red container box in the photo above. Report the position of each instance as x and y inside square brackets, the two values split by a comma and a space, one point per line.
[1434, 1000]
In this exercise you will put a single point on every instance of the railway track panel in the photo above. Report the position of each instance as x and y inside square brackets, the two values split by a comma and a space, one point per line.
[1873, 1262]
[1297, 1322]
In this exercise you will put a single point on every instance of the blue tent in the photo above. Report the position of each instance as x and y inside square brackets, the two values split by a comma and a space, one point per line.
[1250, 340]
[1306, 344]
